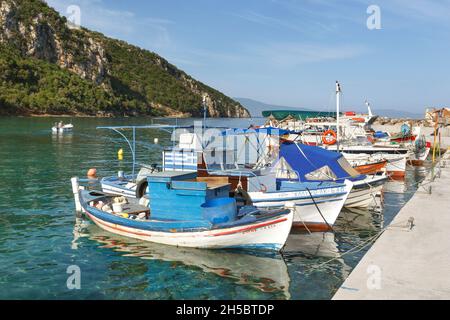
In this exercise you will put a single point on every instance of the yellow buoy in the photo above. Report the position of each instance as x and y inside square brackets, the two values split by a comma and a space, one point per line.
[125, 215]
[120, 154]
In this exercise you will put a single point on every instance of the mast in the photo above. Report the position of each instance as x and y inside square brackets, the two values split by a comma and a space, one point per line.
[204, 121]
[338, 106]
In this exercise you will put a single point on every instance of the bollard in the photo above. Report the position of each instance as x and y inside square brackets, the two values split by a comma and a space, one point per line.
[75, 189]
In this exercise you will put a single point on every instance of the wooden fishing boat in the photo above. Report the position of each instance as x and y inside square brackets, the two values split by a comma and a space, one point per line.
[371, 168]
[188, 214]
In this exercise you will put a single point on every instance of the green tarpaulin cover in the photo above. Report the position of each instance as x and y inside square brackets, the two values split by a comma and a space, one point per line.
[299, 115]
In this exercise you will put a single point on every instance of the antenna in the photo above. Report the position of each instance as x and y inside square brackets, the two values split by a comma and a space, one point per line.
[369, 109]
[338, 105]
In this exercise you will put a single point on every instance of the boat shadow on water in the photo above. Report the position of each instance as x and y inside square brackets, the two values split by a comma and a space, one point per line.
[264, 271]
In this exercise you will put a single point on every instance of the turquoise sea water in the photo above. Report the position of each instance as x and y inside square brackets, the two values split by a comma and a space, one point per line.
[41, 236]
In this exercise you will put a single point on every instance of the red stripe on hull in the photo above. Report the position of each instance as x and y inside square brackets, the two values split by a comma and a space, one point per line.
[250, 228]
[96, 220]
[115, 227]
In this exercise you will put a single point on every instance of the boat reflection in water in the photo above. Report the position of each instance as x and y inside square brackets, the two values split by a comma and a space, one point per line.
[266, 272]
[62, 138]
[360, 219]
[318, 244]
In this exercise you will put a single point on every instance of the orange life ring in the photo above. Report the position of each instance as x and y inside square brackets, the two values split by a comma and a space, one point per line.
[326, 137]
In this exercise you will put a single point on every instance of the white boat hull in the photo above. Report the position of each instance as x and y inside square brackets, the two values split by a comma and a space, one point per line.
[396, 163]
[306, 214]
[66, 128]
[266, 234]
[363, 194]
[362, 198]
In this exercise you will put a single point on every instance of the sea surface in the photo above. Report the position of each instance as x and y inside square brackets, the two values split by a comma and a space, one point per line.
[42, 239]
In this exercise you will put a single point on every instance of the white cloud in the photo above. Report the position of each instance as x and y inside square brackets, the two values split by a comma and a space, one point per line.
[433, 11]
[123, 24]
[291, 54]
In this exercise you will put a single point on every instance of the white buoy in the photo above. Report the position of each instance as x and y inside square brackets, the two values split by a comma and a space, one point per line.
[75, 189]
[156, 141]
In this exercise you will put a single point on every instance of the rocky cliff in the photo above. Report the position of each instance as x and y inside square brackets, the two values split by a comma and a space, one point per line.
[41, 59]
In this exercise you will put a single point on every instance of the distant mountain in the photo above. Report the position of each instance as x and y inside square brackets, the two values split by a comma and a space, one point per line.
[47, 67]
[392, 113]
[389, 113]
[257, 107]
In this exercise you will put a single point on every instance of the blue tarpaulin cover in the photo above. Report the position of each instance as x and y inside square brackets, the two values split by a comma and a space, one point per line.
[305, 159]
[266, 130]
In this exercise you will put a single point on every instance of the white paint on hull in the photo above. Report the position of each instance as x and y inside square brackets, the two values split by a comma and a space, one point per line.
[129, 192]
[306, 211]
[272, 232]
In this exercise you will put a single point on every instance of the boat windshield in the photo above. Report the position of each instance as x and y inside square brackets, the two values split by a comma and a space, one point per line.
[347, 167]
[322, 174]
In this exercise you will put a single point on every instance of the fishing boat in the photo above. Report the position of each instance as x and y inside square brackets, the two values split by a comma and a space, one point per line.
[317, 204]
[254, 176]
[187, 213]
[315, 164]
[395, 156]
[62, 128]
[369, 167]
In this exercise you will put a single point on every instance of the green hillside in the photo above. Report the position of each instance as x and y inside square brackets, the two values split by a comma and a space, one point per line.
[48, 68]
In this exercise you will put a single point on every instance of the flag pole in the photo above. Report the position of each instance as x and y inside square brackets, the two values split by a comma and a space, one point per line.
[338, 106]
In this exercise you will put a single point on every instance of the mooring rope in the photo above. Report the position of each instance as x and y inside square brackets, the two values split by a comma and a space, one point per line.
[318, 209]
[362, 245]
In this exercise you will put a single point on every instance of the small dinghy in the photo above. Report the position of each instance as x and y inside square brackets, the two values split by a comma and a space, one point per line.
[61, 128]
[188, 214]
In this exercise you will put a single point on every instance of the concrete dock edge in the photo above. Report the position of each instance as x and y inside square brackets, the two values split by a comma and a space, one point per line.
[407, 263]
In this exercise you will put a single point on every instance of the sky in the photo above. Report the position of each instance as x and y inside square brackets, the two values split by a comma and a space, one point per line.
[291, 52]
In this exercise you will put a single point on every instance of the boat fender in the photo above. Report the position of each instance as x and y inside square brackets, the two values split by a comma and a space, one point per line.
[329, 137]
[141, 188]
[92, 173]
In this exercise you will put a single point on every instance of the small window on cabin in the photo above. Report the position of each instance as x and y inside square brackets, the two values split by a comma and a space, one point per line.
[323, 173]
[283, 170]
[347, 167]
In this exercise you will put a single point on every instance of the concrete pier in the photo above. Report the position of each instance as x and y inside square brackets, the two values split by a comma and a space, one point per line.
[409, 263]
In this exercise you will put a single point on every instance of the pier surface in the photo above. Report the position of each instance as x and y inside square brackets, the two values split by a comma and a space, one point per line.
[408, 263]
